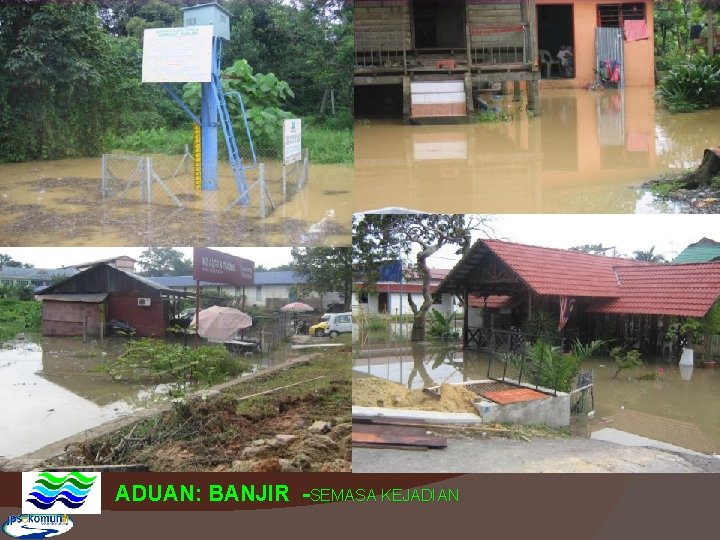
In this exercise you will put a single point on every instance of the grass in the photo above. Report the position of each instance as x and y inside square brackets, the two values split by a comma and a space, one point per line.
[151, 141]
[326, 144]
[665, 187]
[492, 116]
[19, 316]
[335, 388]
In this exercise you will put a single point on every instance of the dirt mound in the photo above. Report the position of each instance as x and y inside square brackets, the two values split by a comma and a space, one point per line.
[375, 392]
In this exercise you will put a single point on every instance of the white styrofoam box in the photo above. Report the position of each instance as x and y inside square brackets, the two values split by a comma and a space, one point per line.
[435, 98]
[437, 87]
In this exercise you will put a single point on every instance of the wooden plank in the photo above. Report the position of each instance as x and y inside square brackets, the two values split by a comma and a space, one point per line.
[395, 435]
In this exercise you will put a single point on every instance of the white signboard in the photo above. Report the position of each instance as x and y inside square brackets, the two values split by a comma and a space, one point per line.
[177, 54]
[292, 141]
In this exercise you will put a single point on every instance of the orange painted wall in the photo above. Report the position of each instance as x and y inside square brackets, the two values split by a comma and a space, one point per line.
[639, 55]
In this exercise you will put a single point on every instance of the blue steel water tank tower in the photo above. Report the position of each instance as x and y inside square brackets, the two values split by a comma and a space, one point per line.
[214, 105]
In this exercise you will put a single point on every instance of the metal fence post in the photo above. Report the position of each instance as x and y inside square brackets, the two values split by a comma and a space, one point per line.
[284, 182]
[261, 181]
[104, 175]
[148, 179]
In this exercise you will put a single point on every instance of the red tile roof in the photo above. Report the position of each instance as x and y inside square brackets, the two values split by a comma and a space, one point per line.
[665, 289]
[402, 287]
[561, 272]
[617, 285]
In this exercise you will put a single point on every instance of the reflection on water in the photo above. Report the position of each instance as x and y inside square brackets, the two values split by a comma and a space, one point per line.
[587, 153]
[46, 396]
[679, 407]
[60, 202]
[58, 388]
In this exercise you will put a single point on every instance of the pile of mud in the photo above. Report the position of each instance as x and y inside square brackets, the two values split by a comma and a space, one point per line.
[376, 392]
[215, 435]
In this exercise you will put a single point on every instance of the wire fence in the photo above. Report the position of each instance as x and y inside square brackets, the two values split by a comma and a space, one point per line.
[172, 180]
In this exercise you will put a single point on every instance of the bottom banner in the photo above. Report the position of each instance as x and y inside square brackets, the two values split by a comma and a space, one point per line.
[323, 505]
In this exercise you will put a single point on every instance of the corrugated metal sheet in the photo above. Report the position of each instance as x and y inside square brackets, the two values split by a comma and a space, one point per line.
[609, 46]
[93, 298]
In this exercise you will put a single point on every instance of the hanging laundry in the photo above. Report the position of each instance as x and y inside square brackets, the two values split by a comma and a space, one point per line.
[636, 30]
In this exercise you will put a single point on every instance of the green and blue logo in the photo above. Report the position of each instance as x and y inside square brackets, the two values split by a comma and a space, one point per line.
[37, 526]
[71, 492]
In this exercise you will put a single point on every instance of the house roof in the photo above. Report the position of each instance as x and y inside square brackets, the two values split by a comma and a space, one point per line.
[614, 285]
[86, 280]
[35, 274]
[665, 289]
[547, 271]
[703, 250]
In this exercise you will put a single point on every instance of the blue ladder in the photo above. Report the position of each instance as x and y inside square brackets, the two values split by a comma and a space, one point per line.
[232, 148]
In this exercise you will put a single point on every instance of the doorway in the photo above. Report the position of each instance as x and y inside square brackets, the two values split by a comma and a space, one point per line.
[555, 29]
[438, 24]
[383, 302]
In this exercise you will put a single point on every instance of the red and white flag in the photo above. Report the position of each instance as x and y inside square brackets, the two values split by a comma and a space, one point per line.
[566, 309]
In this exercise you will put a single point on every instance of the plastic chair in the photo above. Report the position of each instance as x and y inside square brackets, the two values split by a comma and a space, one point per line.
[547, 60]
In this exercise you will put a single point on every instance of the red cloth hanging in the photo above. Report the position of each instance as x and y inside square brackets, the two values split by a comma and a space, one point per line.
[636, 30]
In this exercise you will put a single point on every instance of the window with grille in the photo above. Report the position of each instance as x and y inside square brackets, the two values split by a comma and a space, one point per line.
[613, 15]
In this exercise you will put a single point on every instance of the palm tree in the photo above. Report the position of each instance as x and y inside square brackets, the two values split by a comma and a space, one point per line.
[649, 255]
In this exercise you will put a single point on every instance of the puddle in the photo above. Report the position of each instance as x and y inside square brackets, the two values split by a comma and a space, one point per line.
[679, 409]
[587, 153]
[60, 203]
[56, 388]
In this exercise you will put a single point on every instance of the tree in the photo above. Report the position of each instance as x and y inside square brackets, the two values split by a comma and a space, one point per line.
[7, 260]
[649, 255]
[51, 82]
[593, 249]
[381, 237]
[325, 269]
[163, 262]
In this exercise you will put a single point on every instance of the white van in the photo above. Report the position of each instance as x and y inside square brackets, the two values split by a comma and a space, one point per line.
[339, 323]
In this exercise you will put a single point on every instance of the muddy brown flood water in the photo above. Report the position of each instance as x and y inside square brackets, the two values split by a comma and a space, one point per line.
[57, 388]
[678, 408]
[56, 203]
[587, 153]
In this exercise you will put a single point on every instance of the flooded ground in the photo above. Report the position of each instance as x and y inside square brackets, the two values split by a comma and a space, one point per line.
[56, 203]
[588, 153]
[56, 388]
[679, 408]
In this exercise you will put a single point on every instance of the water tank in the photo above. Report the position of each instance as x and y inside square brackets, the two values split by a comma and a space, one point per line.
[209, 15]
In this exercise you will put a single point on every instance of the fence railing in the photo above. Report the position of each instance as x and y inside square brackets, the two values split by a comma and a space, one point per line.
[500, 45]
[381, 49]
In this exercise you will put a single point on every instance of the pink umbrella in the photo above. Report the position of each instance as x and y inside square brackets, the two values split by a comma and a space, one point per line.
[297, 306]
[219, 324]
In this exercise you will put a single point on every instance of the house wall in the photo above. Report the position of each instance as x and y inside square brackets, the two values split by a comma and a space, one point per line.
[639, 68]
[381, 22]
[147, 321]
[480, 13]
[68, 318]
[396, 301]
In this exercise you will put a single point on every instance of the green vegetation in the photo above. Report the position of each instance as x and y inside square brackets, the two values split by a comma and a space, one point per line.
[541, 324]
[492, 116]
[441, 326]
[548, 366]
[625, 359]
[152, 359]
[323, 270]
[70, 83]
[692, 84]
[18, 316]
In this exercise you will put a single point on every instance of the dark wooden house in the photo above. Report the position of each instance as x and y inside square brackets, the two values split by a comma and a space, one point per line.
[430, 56]
[85, 302]
[628, 302]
